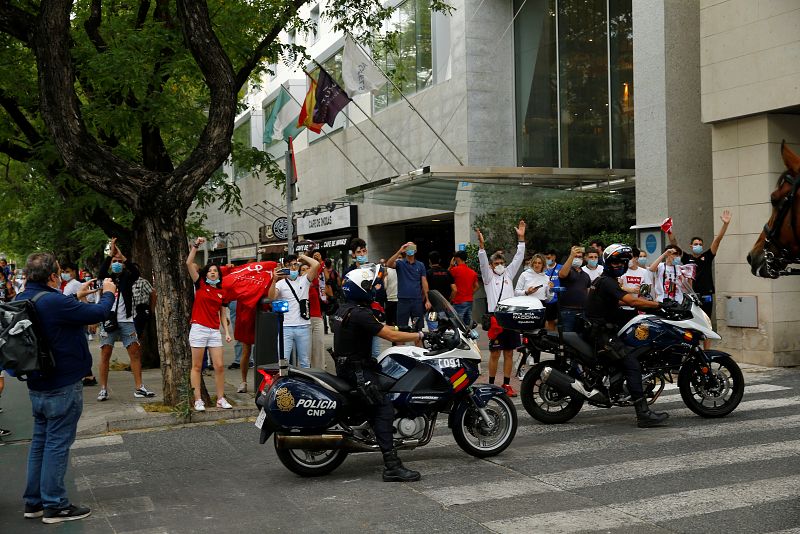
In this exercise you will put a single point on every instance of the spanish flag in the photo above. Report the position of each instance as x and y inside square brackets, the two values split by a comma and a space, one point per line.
[307, 112]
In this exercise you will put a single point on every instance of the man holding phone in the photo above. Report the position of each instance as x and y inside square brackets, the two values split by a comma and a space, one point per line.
[577, 284]
[288, 285]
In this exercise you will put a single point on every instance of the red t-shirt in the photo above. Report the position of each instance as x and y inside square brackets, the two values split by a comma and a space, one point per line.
[207, 302]
[313, 299]
[246, 284]
[465, 279]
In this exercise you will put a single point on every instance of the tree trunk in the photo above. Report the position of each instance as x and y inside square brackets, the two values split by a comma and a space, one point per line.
[166, 232]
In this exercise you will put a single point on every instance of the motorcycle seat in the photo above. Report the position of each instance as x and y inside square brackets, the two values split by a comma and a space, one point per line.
[322, 377]
[577, 342]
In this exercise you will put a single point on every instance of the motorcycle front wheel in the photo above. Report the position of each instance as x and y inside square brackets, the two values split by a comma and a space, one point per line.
[308, 463]
[477, 438]
[545, 403]
[712, 391]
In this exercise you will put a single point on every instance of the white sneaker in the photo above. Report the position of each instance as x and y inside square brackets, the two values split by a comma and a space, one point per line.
[224, 404]
[199, 406]
[103, 395]
[242, 388]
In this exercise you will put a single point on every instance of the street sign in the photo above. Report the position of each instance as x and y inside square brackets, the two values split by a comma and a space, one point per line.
[280, 228]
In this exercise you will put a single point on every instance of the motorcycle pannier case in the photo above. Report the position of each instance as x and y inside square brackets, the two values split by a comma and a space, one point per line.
[522, 314]
[293, 403]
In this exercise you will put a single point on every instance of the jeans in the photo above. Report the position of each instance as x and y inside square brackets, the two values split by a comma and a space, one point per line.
[376, 347]
[237, 346]
[317, 344]
[568, 317]
[464, 310]
[55, 421]
[298, 338]
[410, 309]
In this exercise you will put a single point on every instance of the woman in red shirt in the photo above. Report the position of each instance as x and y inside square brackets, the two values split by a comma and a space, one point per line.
[207, 314]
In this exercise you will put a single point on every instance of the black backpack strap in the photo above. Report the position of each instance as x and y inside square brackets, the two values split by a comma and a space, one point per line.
[39, 295]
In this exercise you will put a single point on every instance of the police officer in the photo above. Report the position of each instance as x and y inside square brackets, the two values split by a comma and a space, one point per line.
[354, 325]
[603, 311]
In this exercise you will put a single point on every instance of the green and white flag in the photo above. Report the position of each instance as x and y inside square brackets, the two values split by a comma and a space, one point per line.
[282, 121]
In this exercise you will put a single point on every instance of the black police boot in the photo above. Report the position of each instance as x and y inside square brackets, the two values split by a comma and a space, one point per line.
[393, 470]
[646, 418]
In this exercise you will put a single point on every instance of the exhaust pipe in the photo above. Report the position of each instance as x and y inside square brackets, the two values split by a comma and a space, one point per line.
[569, 386]
[333, 441]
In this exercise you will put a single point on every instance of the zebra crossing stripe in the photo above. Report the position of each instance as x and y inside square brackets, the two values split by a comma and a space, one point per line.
[107, 480]
[101, 458]
[100, 441]
[131, 505]
[707, 429]
[511, 486]
[634, 469]
[658, 509]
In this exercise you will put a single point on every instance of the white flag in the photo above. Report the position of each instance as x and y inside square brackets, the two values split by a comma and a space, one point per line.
[359, 73]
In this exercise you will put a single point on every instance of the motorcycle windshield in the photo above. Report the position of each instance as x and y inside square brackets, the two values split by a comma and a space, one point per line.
[444, 309]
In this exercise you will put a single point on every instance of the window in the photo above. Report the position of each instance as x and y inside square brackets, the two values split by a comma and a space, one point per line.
[405, 54]
[242, 138]
[621, 45]
[315, 22]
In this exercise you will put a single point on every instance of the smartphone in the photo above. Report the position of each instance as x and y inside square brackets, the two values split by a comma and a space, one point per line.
[284, 272]
[581, 249]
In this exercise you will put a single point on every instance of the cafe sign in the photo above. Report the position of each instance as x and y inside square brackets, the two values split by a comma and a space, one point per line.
[325, 221]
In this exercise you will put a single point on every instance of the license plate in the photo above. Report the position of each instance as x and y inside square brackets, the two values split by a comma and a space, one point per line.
[262, 416]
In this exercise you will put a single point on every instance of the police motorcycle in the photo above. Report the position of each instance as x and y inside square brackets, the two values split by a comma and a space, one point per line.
[317, 419]
[667, 343]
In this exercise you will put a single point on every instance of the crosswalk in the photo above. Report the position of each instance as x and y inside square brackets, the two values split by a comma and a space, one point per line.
[596, 473]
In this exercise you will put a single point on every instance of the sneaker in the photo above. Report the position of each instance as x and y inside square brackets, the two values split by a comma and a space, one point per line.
[224, 404]
[521, 372]
[210, 367]
[142, 392]
[509, 390]
[103, 395]
[251, 364]
[32, 511]
[242, 388]
[91, 381]
[234, 365]
[70, 513]
[199, 406]
[4, 432]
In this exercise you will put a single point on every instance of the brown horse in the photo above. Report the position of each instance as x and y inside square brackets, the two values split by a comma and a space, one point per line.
[779, 242]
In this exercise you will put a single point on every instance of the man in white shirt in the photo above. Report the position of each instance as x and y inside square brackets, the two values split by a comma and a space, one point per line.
[297, 321]
[592, 267]
[498, 280]
[69, 274]
[637, 280]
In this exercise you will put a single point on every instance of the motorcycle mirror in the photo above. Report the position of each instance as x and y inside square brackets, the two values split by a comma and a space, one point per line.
[433, 316]
[473, 334]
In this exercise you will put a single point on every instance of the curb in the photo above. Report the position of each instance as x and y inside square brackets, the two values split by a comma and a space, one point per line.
[157, 420]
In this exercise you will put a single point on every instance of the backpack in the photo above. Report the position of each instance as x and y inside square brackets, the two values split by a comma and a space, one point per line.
[23, 346]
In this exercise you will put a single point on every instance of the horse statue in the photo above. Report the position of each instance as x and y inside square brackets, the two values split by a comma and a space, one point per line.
[778, 245]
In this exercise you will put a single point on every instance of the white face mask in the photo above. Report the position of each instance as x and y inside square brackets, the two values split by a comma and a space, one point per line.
[577, 262]
[500, 269]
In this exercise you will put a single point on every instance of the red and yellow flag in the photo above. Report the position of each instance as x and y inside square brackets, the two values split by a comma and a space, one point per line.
[306, 117]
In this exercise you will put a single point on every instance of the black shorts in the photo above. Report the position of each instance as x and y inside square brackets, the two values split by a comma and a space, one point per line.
[507, 340]
[707, 305]
[391, 312]
[551, 311]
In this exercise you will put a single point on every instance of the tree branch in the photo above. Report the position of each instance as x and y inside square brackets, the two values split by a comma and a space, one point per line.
[92, 26]
[18, 116]
[258, 52]
[141, 15]
[15, 151]
[16, 22]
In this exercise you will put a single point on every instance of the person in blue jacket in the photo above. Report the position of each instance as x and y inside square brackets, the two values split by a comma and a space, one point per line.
[57, 397]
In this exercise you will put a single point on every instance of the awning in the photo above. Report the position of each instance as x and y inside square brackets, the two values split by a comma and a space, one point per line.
[439, 187]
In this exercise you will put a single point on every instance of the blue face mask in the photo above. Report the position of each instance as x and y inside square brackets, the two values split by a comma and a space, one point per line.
[592, 263]
[550, 263]
[411, 252]
[361, 259]
[676, 261]
[697, 249]
[211, 282]
[66, 277]
[643, 262]
[293, 275]
[116, 267]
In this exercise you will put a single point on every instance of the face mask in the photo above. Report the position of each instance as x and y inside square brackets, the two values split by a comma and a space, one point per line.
[676, 261]
[697, 249]
[550, 263]
[66, 277]
[116, 267]
[500, 269]
[643, 262]
[211, 282]
[592, 263]
[577, 262]
[293, 275]
[411, 251]
[361, 259]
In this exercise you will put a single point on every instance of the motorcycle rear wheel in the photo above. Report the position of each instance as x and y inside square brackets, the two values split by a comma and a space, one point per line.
[471, 434]
[544, 403]
[308, 463]
[720, 399]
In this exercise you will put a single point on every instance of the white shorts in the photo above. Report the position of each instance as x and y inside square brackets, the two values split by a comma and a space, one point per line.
[201, 337]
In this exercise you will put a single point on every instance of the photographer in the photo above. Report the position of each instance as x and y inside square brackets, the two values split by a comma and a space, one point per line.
[288, 285]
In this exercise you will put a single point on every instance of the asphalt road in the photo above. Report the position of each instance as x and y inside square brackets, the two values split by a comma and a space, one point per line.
[597, 473]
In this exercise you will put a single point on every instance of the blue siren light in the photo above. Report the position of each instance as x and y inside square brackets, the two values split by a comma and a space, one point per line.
[280, 306]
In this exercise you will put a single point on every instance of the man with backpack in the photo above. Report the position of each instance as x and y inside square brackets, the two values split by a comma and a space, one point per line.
[57, 396]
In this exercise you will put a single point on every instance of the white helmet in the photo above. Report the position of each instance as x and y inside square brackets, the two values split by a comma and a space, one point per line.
[359, 284]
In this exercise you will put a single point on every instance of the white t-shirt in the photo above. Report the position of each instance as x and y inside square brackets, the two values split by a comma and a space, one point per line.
[668, 282]
[122, 310]
[391, 284]
[72, 287]
[636, 277]
[301, 287]
[531, 278]
[593, 273]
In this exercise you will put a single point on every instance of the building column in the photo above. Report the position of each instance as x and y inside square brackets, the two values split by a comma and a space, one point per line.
[747, 163]
[673, 147]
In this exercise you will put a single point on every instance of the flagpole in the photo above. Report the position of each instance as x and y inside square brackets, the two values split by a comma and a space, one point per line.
[372, 121]
[289, 189]
[415, 110]
[361, 131]
[328, 137]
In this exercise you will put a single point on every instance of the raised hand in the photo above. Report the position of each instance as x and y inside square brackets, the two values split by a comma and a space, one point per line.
[726, 217]
[520, 229]
[199, 241]
[480, 236]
